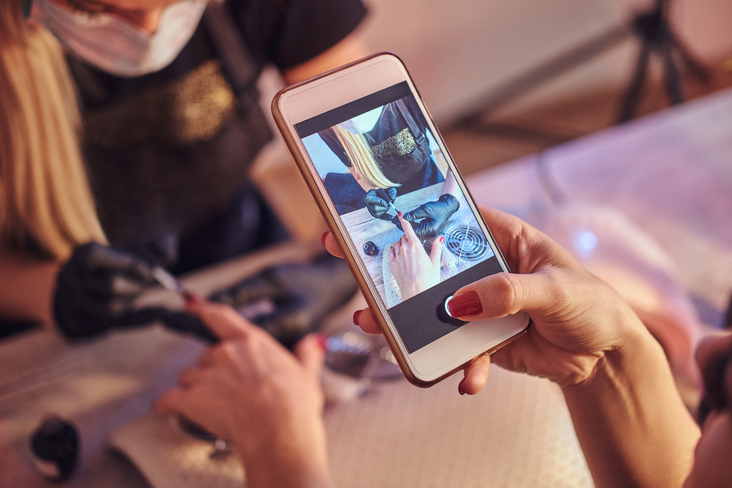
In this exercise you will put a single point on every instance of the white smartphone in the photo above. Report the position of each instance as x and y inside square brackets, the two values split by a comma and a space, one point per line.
[369, 150]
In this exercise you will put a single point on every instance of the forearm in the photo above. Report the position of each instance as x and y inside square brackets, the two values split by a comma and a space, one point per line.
[631, 423]
[349, 49]
[26, 286]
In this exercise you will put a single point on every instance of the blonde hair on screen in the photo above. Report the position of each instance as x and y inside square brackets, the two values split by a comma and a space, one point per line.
[45, 201]
[359, 153]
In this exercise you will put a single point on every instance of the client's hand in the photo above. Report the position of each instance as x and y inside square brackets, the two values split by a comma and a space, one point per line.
[252, 391]
[577, 318]
[413, 269]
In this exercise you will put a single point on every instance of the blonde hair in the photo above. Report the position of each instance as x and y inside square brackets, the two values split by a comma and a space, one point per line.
[360, 155]
[45, 201]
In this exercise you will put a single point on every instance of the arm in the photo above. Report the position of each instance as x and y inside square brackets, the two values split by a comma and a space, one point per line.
[26, 286]
[631, 423]
[349, 49]
[629, 418]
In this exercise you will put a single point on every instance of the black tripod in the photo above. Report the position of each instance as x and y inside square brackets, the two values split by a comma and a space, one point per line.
[654, 31]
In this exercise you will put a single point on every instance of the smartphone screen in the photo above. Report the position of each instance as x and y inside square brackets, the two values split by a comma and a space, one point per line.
[377, 157]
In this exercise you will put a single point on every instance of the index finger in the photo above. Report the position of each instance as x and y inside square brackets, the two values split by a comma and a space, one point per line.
[224, 321]
[407, 227]
[331, 245]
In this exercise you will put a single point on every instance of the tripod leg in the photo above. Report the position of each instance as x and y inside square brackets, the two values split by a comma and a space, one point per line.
[632, 95]
[673, 76]
[696, 68]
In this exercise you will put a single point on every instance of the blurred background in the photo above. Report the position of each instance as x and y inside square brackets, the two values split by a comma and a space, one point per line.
[467, 56]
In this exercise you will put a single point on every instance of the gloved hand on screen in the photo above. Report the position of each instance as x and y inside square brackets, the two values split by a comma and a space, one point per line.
[378, 203]
[432, 216]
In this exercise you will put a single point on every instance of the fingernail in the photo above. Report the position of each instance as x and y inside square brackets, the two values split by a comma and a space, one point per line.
[322, 238]
[192, 299]
[321, 340]
[464, 305]
[401, 214]
[461, 390]
[355, 316]
[442, 239]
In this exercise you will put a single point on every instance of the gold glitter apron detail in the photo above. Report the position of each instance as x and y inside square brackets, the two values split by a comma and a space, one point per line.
[186, 111]
[400, 144]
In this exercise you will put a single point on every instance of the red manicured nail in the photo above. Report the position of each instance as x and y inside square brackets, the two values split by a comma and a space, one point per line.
[322, 238]
[401, 214]
[464, 305]
[355, 316]
[461, 390]
[192, 298]
[442, 239]
[321, 340]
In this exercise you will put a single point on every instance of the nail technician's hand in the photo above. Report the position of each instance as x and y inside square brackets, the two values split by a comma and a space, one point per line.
[251, 390]
[95, 288]
[414, 270]
[378, 203]
[429, 219]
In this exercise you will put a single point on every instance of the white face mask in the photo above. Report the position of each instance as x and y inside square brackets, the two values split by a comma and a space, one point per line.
[117, 47]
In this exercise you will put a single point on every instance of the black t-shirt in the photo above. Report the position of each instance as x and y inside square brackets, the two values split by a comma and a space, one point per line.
[168, 151]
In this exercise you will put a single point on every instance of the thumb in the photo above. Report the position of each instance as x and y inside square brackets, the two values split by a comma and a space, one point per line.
[417, 214]
[504, 294]
[436, 251]
[310, 351]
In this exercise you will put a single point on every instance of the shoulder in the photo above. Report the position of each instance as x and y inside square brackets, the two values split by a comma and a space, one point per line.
[288, 33]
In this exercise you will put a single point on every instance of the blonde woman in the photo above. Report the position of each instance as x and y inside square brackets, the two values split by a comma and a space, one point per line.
[167, 144]
[387, 153]
[46, 208]
[54, 266]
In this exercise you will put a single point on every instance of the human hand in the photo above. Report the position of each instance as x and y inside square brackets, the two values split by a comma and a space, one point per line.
[577, 318]
[414, 270]
[249, 389]
[433, 215]
[378, 203]
[95, 290]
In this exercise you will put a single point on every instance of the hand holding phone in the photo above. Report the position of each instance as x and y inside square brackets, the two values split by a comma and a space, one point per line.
[576, 318]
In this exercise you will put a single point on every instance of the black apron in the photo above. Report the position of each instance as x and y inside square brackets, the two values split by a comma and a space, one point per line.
[198, 195]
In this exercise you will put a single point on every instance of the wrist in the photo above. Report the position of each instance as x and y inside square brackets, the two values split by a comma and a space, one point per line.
[301, 471]
[288, 458]
[621, 364]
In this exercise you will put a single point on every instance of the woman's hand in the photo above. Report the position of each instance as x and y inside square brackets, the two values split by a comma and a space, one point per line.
[414, 270]
[577, 318]
[252, 391]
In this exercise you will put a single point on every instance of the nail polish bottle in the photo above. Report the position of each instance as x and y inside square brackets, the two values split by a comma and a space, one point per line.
[55, 446]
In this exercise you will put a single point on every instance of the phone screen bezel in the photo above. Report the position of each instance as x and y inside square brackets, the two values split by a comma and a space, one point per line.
[335, 89]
